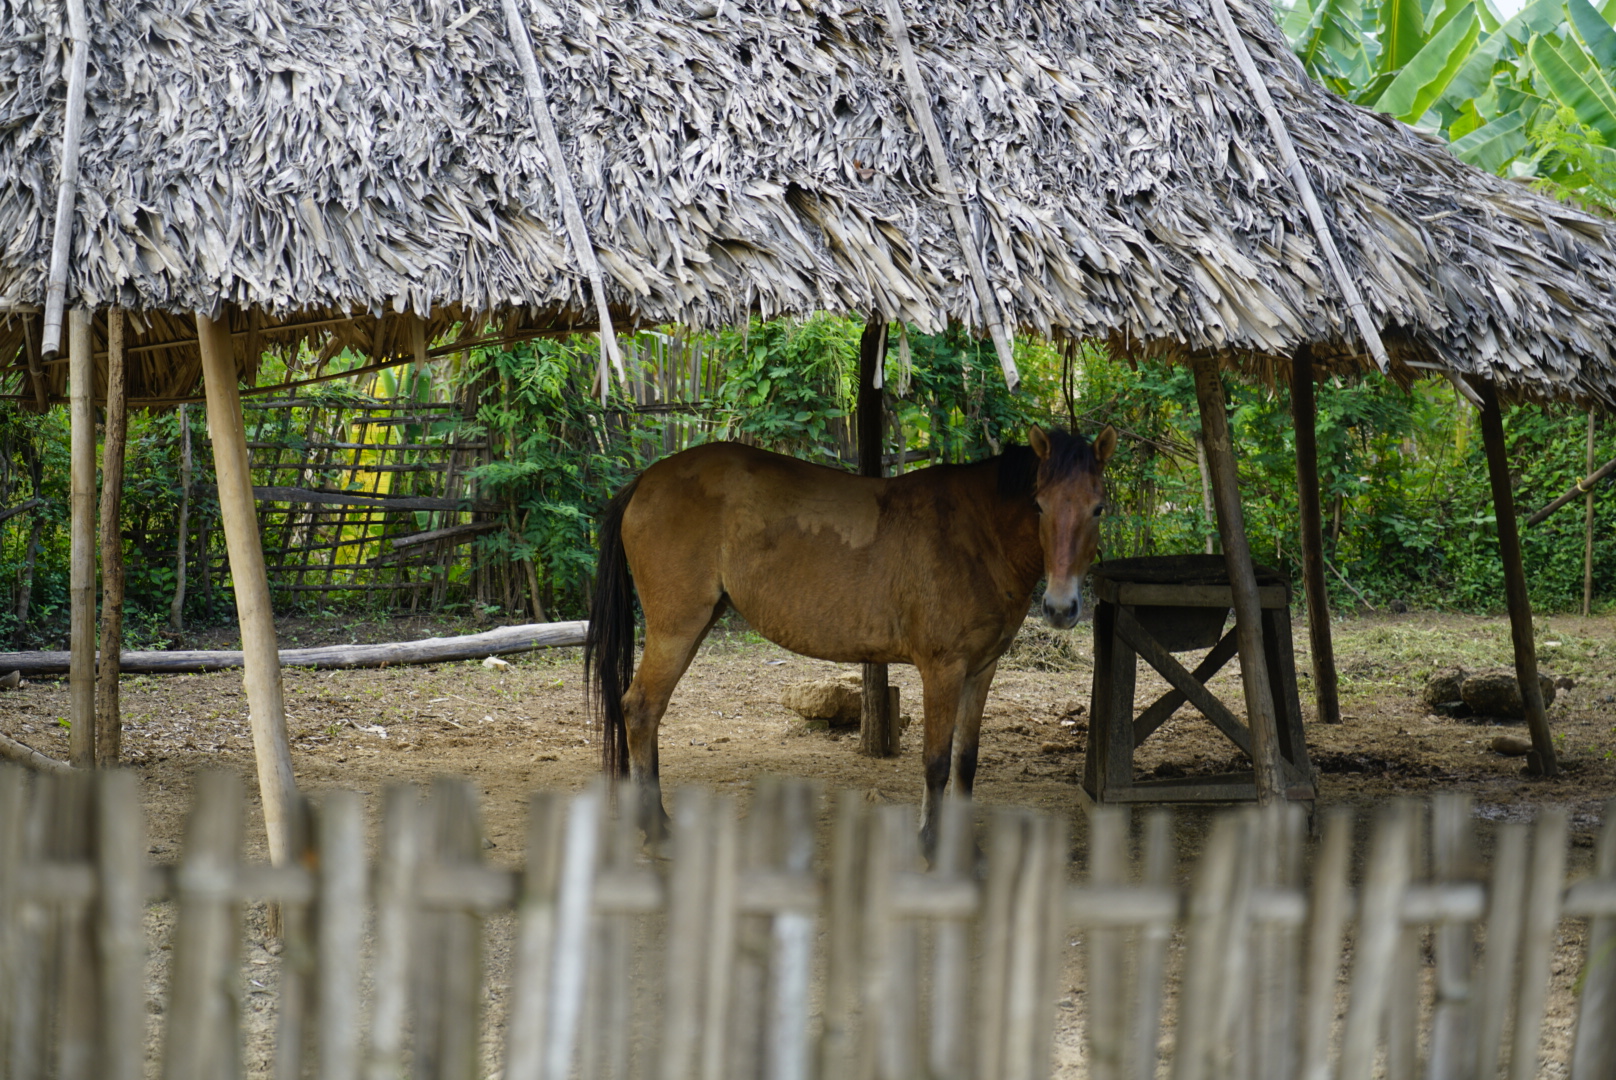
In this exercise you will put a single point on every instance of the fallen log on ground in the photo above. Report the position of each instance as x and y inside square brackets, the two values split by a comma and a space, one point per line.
[506, 639]
[27, 756]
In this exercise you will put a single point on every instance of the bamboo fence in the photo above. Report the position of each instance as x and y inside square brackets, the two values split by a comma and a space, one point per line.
[784, 946]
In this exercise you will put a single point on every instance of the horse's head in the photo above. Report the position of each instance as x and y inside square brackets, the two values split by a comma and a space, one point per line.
[1071, 499]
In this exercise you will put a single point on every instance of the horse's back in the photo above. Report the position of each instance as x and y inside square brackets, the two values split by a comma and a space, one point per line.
[821, 561]
[797, 548]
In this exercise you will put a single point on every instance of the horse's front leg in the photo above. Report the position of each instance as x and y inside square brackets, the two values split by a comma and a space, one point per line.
[943, 684]
[968, 728]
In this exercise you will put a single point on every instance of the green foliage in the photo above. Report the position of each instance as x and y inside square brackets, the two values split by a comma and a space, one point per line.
[1530, 96]
[785, 385]
[785, 382]
[1403, 479]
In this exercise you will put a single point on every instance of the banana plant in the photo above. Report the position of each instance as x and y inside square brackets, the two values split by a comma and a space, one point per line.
[1531, 94]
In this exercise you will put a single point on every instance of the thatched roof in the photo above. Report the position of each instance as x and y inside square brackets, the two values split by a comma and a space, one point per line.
[315, 160]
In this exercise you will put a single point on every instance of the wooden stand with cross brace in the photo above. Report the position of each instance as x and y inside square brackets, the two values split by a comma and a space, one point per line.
[1151, 609]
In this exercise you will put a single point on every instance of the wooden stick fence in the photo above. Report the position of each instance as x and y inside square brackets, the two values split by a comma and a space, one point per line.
[753, 952]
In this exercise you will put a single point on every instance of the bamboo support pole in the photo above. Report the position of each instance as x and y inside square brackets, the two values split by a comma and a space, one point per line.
[1304, 187]
[261, 658]
[577, 231]
[108, 716]
[1583, 487]
[878, 721]
[67, 184]
[1520, 603]
[1310, 525]
[1260, 714]
[81, 574]
[975, 263]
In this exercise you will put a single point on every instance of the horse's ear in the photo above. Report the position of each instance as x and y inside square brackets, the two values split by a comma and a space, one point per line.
[1105, 444]
[1039, 442]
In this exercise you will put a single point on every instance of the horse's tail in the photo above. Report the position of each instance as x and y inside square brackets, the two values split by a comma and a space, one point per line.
[609, 642]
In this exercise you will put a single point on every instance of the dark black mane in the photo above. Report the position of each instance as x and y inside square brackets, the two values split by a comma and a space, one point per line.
[1020, 469]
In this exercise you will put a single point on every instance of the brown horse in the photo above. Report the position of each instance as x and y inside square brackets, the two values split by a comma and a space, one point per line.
[934, 568]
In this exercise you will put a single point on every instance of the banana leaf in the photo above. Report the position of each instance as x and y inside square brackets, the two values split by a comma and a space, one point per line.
[1595, 33]
[1494, 145]
[1585, 91]
[1476, 73]
[1402, 32]
[1428, 74]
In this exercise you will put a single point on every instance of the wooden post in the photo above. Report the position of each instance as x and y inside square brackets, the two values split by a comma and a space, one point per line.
[81, 580]
[1242, 578]
[262, 677]
[108, 720]
[878, 724]
[1520, 605]
[1588, 530]
[1310, 525]
[176, 609]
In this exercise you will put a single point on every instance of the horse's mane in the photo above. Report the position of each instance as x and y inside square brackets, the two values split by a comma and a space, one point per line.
[1020, 467]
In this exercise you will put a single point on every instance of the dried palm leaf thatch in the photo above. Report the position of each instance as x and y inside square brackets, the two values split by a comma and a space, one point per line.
[364, 157]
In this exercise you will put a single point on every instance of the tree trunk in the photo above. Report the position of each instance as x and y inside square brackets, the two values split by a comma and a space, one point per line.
[1206, 492]
[108, 719]
[1588, 531]
[176, 609]
[25, 583]
[36, 532]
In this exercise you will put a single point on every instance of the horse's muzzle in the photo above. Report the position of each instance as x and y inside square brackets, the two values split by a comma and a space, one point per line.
[1063, 616]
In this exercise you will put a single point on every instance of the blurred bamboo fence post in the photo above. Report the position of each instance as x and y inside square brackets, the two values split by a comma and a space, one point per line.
[749, 953]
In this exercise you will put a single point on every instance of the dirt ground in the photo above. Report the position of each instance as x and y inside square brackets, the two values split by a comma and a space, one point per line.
[518, 728]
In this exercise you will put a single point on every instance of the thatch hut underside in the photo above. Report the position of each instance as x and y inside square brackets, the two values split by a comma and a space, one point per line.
[307, 163]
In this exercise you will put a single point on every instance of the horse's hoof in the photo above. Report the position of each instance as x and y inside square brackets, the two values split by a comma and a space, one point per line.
[659, 849]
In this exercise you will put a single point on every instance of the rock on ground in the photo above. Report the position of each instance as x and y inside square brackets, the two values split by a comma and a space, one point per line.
[1443, 686]
[839, 701]
[1496, 693]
